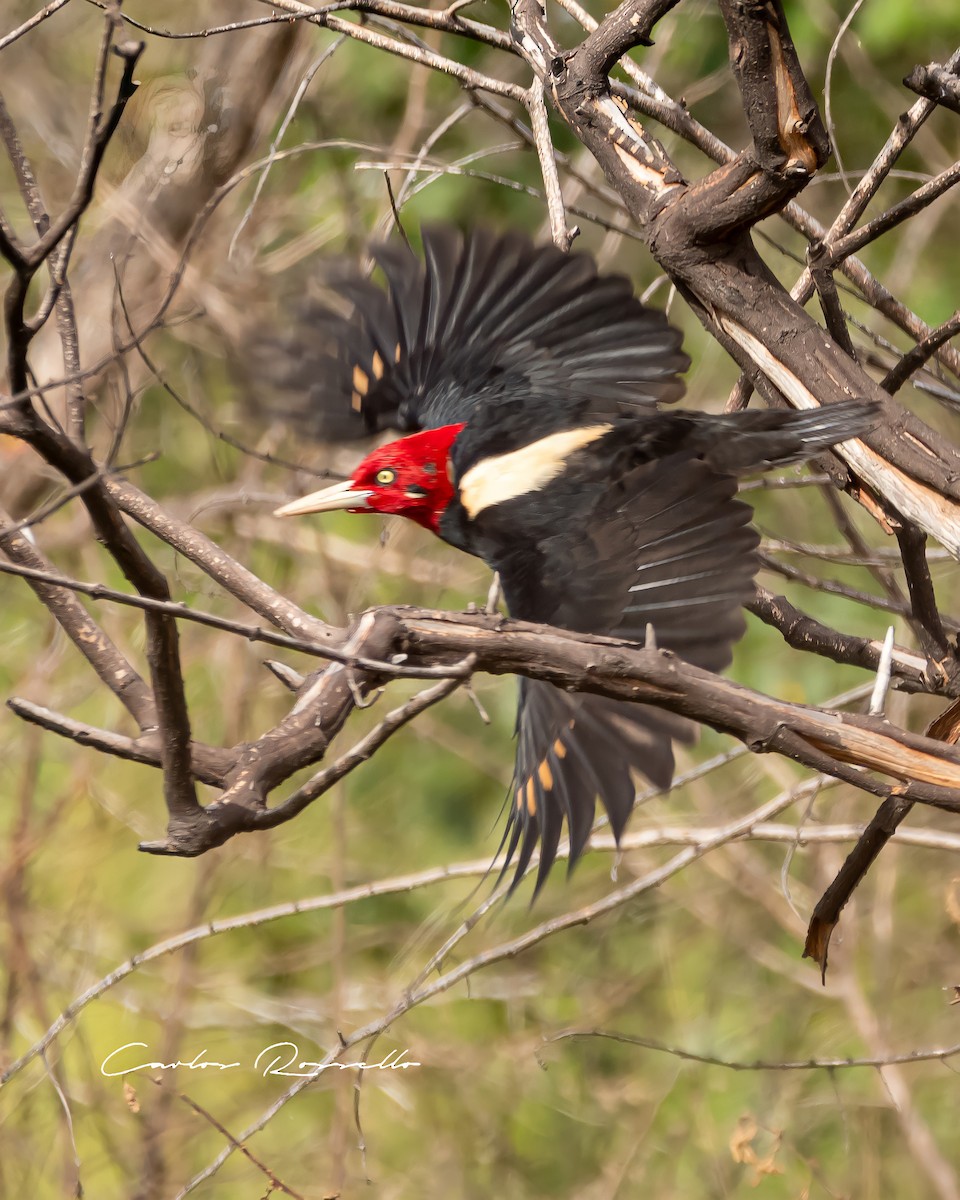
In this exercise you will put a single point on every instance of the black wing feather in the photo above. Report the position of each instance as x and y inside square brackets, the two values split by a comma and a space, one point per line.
[481, 317]
[672, 528]
[650, 534]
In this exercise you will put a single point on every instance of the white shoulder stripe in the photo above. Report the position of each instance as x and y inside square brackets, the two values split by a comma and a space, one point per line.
[494, 480]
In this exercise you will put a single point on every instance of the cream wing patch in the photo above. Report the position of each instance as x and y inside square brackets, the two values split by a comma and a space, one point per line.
[528, 469]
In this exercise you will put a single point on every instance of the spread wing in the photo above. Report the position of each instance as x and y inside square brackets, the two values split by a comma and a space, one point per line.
[482, 316]
[667, 544]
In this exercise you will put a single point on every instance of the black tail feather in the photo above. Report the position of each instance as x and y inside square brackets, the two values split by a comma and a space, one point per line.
[755, 441]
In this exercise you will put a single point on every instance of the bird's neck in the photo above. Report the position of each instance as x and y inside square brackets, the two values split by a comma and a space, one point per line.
[430, 450]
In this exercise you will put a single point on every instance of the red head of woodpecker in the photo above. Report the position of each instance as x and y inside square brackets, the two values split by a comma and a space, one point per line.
[411, 477]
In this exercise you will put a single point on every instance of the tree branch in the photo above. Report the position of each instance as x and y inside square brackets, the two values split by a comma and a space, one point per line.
[106, 659]
[937, 83]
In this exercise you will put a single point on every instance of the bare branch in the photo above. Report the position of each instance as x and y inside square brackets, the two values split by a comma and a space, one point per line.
[939, 1054]
[252, 633]
[101, 131]
[834, 251]
[364, 749]
[108, 662]
[436, 19]
[629, 25]
[937, 83]
[923, 600]
[914, 359]
[540, 124]
[399, 885]
[209, 764]
[873, 839]
[47, 11]
[231, 575]
[912, 671]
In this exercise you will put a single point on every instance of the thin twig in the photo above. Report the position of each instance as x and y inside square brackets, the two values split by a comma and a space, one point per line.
[540, 124]
[276, 1184]
[878, 696]
[898, 375]
[940, 1054]
[308, 77]
[47, 11]
[252, 633]
[363, 750]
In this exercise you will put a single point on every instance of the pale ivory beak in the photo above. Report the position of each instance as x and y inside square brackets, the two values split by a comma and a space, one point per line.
[341, 495]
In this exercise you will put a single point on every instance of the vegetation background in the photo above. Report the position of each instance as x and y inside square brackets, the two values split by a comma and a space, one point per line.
[707, 965]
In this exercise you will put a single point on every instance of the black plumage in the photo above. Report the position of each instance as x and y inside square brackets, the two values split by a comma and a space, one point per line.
[601, 512]
[484, 317]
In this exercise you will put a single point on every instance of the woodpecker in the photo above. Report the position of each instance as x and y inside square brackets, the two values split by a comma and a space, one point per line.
[529, 386]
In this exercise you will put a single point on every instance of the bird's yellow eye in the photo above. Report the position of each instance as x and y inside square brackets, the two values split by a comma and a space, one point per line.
[385, 475]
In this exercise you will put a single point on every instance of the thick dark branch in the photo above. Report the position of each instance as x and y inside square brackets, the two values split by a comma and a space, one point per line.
[832, 587]
[937, 83]
[627, 673]
[18, 333]
[842, 745]
[675, 117]
[903, 133]
[915, 470]
[858, 862]
[9, 243]
[788, 135]
[789, 141]
[327, 699]
[914, 359]
[627, 26]
[923, 600]
[913, 672]
[698, 233]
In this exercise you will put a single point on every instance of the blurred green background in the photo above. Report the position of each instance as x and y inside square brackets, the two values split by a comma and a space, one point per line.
[708, 963]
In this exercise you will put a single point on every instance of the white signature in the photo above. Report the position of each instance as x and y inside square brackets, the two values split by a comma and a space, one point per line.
[281, 1058]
